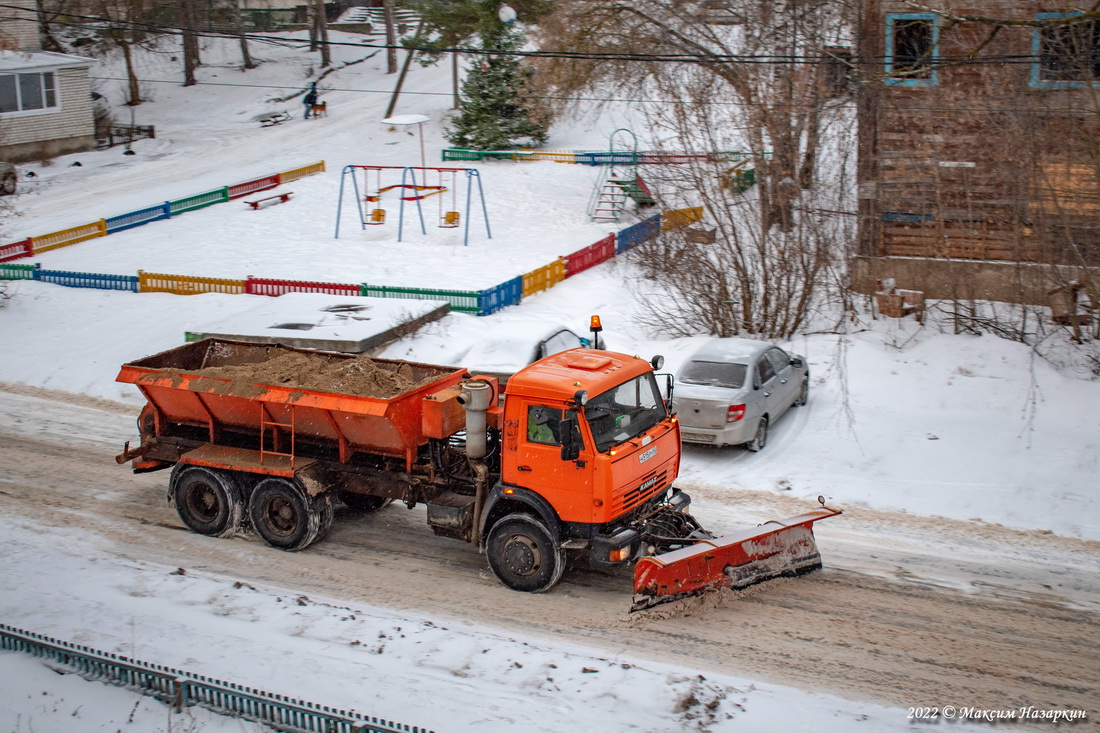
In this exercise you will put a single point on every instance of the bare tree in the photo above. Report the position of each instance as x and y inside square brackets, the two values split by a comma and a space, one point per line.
[188, 25]
[321, 25]
[246, 57]
[739, 276]
[391, 38]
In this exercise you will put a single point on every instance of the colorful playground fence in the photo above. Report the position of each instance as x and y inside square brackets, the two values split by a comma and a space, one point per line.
[16, 250]
[544, 277]
[632, 236]
[34, 245]
[155, 282]
[267, 286]
[137, 218]
[478, 302]
[65, 237]
[590, 256]
[680, 218]
[595, 157]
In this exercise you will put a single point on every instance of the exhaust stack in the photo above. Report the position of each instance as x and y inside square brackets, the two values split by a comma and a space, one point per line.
[477, 398]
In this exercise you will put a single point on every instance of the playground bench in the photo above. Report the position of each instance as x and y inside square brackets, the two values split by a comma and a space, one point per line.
[283, 198]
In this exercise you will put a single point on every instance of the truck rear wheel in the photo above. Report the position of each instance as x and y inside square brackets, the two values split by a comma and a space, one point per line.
[207, 500]
[523, 555]
[286, 517]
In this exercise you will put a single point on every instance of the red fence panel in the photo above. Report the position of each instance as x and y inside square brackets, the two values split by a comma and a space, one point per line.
[268, 286]
[260, 184]
[591, 255]
[16, 250]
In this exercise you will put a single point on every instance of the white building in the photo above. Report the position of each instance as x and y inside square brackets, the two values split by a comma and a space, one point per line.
[45, 97]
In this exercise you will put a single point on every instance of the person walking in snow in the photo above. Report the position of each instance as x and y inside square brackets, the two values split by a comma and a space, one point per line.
[309, 100]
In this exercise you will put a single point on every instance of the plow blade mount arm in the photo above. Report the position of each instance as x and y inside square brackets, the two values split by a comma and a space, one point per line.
[771, 550]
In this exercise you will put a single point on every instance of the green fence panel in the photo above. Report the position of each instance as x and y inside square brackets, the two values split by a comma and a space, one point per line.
[465, 301]
[199, 201]
[17, 272]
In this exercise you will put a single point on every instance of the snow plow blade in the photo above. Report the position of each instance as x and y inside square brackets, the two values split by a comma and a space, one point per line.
[772, 550]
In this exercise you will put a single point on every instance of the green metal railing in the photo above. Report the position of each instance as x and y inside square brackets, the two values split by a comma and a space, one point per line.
[181, 689]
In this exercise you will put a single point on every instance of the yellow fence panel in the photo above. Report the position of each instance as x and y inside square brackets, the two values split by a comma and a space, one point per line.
[65, 237]
[153, 282]
[302, 172]
[680, 218]
[558, 156]
[544, 278]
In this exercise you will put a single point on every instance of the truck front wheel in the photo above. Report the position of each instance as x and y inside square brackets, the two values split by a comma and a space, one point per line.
[208, 501]
[286, 517]
[523, 555]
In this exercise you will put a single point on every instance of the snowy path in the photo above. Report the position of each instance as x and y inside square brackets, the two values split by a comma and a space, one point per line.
[978, 620]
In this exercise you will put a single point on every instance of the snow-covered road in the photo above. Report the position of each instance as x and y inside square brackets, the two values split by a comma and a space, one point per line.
[977, 614]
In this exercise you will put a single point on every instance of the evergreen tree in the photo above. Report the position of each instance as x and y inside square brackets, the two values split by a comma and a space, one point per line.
[494, 113]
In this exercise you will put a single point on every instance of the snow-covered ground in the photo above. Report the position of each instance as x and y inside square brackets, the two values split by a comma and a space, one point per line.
[900, 418]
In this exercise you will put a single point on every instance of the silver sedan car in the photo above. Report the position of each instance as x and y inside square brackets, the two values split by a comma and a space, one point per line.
[732, 389]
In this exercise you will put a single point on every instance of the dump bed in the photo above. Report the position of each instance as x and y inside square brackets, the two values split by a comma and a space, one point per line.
[358, 403]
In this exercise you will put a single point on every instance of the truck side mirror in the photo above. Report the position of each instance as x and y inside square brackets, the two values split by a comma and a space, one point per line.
[670, 386]
[570, 438]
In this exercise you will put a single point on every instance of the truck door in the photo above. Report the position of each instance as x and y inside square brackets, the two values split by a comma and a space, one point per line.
[567, 485]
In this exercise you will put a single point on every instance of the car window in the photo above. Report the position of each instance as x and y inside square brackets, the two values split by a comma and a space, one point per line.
[560, 341]
[544, 425]
[764, 371]
[717, 373]
[779, 359]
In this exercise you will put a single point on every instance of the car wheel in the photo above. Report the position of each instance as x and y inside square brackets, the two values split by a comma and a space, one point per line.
[761, 438]
[7, 185]
[804, 393]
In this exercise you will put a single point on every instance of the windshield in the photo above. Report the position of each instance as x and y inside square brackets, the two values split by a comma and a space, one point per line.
[717, 373]
[624, 412]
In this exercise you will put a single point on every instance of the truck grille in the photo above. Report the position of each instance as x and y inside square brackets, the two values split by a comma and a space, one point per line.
[650, 485]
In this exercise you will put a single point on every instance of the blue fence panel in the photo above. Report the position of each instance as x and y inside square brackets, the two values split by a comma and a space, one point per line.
[88, 280]
[137, 218]
[604, 157]
[493, 299]
[643, 231]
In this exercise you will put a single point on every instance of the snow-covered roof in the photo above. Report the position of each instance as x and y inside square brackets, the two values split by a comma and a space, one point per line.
[28, 60]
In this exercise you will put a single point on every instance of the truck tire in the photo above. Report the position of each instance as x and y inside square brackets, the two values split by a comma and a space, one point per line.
[207, 500]
[286, 517]
[363, 502]
[523, 555]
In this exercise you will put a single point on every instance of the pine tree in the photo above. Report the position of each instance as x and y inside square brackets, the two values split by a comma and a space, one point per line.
[494, 114]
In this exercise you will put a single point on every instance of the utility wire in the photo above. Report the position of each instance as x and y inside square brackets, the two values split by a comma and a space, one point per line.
[698, 58]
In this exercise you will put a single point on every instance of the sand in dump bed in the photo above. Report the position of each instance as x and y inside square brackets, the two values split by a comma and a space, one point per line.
[361, 375]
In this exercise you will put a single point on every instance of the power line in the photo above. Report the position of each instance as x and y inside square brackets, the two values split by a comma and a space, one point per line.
[571, 98]
[698, 58]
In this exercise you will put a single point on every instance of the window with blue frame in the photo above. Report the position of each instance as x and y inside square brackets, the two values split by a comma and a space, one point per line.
[912, 41]
[1067, 52]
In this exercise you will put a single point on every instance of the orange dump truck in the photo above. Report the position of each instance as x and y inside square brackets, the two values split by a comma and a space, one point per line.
[579, 455]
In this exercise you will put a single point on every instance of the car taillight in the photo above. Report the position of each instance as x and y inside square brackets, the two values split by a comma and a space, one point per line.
[735, 413]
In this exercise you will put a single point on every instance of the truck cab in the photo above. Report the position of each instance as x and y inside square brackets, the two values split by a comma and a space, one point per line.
[589, 451]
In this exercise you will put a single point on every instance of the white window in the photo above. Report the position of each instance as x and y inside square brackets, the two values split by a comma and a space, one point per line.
[27, 92]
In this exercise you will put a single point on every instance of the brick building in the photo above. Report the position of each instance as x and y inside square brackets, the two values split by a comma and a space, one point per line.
[979, 148]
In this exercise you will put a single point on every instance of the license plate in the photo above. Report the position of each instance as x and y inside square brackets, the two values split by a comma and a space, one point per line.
[643, 457]
[698, 437]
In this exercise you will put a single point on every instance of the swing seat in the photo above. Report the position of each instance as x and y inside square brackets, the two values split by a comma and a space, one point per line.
[450, 220]
[377, 216]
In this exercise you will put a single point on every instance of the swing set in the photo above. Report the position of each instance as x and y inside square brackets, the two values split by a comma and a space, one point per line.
[443, 181]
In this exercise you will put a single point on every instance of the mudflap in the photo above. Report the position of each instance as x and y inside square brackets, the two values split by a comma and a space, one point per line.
[772, 550]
